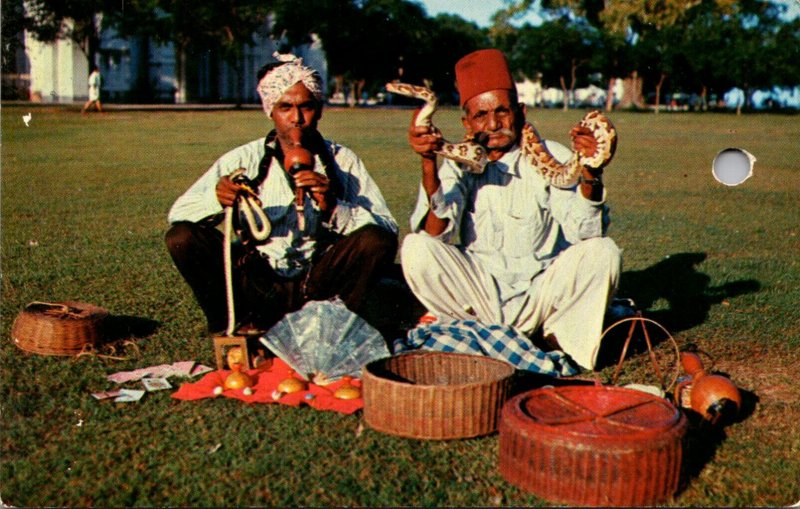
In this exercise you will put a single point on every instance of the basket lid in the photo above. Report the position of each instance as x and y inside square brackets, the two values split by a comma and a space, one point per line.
[58, 328]
[600, 412]
[65, 310]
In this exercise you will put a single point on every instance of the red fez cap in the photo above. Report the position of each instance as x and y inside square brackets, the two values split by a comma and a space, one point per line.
[481, 71]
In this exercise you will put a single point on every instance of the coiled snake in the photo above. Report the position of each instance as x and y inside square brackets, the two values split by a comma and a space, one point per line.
[473, 159]
[249, 205]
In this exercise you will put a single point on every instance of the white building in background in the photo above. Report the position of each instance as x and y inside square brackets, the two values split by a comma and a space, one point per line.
[136, 69]
[529, 91]
[58, 72]
[552, 96]
[591, 96]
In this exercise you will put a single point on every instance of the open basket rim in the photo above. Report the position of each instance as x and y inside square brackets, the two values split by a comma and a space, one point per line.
[367, 371]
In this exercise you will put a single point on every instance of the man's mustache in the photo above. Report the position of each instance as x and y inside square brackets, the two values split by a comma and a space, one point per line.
[482, 137]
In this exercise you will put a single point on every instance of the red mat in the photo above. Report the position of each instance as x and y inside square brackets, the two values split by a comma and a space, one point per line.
[265, 384]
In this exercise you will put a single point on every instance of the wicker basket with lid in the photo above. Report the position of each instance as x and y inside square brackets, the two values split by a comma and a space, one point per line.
[58, 328]
[435, 395]
[592, 445]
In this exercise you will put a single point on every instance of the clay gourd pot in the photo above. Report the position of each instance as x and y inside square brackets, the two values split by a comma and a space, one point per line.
[692, 364]
[295, 156]
[291, 384]
[347, 390]
[714, 397]
[238, 379]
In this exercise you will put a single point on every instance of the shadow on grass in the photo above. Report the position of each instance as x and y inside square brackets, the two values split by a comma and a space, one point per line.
[120, 327]
[703, 439]
[687, 290]
[393, 309]
[689, 296]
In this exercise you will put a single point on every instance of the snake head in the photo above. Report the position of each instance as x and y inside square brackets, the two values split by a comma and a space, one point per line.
[480, 138]
[245, 184]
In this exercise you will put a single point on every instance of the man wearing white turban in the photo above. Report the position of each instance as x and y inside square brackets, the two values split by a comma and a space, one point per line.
[331, 230]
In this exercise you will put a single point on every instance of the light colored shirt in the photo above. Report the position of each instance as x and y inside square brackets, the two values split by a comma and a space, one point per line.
[289, 250]
[94, 86]
[509, 219]
[94, 80]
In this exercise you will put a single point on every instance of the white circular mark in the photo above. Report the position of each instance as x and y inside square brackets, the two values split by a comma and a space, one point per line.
[733, 166]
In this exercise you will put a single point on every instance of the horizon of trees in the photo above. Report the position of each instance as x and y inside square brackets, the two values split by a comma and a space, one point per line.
[704, 47]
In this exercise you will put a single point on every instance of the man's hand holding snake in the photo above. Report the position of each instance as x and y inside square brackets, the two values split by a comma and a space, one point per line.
[425, 140]
[585, 144]
[228, 190]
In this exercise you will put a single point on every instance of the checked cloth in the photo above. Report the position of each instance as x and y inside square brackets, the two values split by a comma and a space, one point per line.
[497, 341]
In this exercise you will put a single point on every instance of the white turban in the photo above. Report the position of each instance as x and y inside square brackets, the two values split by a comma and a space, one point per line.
[278, 80]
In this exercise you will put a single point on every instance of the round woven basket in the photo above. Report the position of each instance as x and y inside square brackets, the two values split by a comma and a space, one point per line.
[434, 395]
[58, 328]
[592, 445]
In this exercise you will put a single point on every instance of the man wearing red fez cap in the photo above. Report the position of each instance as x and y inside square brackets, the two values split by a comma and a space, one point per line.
[481, 71]
[528, 254]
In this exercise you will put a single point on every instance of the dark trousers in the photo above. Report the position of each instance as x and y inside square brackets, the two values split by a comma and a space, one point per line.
[348, 267]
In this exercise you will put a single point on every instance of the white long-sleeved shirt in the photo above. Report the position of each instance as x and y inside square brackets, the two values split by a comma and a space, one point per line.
[288, 250]
[509, 218]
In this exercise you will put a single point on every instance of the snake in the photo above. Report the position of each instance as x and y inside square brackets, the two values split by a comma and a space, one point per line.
[468, 153]
[473, 157]
[257, 221]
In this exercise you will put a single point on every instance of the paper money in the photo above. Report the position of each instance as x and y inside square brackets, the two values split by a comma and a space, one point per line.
[129, 396]
[156, 384]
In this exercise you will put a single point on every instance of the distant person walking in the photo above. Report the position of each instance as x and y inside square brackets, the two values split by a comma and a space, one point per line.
[95, 81]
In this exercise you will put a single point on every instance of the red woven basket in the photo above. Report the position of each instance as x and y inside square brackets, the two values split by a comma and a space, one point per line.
[592, 445]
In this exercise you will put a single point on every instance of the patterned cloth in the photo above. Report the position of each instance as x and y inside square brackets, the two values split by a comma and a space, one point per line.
[277, 81]
[497, 341]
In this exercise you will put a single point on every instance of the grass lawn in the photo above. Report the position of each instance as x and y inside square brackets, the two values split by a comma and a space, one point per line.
[84, 204]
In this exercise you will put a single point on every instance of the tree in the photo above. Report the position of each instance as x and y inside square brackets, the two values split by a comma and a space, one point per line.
[13, 23]
[755, 25]
[732, 48]
[344, 29]
[337, 22]
[75, 20]
[192, 27]
[451, 38]
[635, 21]
[556, 49]
[647, 27]
[370, 42]
[784, 49]
[230, 25]
[657, 58]
[396, 30]
[613, 59]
